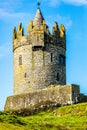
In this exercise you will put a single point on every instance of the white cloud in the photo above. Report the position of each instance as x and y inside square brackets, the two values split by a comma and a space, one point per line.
[6, 14]
[74, 2]
[66, 20]
[14, 17]
[10, 4]
[54, 2]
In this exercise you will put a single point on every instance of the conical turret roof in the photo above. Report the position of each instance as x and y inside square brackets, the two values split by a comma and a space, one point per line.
[38, 19]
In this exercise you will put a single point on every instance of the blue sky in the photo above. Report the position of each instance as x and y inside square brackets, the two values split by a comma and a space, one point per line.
[71, 13]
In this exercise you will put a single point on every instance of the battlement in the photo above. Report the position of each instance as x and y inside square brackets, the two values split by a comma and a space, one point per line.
[18, 37]
[39, 36]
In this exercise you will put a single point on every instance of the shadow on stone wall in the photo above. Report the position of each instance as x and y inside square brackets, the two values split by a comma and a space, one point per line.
[83, 98]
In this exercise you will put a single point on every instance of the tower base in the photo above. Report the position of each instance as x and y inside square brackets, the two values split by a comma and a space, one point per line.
[63, 95]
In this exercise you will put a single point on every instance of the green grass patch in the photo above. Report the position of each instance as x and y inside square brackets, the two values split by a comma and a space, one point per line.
[72, 117]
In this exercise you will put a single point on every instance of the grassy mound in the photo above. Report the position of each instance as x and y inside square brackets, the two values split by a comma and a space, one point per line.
[72, 117]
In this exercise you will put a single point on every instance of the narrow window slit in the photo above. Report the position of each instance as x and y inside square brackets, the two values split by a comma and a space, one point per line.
[20, 60]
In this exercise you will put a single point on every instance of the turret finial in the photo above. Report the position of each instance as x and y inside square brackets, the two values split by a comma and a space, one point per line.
[38, 4]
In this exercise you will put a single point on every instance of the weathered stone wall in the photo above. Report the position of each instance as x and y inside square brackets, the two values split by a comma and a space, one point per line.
[62, 95]
[37, 70]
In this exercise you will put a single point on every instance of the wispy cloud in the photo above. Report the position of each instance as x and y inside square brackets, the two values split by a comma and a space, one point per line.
[66, 20]
[12, 11]
[54, 2]
[7, 14]
[76, 2]
[73, 2]
[14, 16]
[10, 4]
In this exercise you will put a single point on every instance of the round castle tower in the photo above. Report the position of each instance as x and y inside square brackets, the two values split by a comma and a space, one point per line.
[39, 57]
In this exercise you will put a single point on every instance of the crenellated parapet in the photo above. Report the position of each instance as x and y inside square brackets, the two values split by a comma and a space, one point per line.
[62, 31]
[55, 33]
[39, 36]
[20, 32]
[58, 35]
[18, 37]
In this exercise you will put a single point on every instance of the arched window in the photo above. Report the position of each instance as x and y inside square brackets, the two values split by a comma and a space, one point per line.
[20, 59]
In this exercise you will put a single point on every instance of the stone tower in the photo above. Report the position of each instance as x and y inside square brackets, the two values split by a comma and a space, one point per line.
[39, 56]
[39, 63]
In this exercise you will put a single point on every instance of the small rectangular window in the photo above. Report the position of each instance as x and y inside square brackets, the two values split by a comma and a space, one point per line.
[62, 60]
[51, 57]
[20, 60]
[25, 75]
[57, 76]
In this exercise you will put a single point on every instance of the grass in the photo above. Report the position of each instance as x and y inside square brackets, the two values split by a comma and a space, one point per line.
[72, 117]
